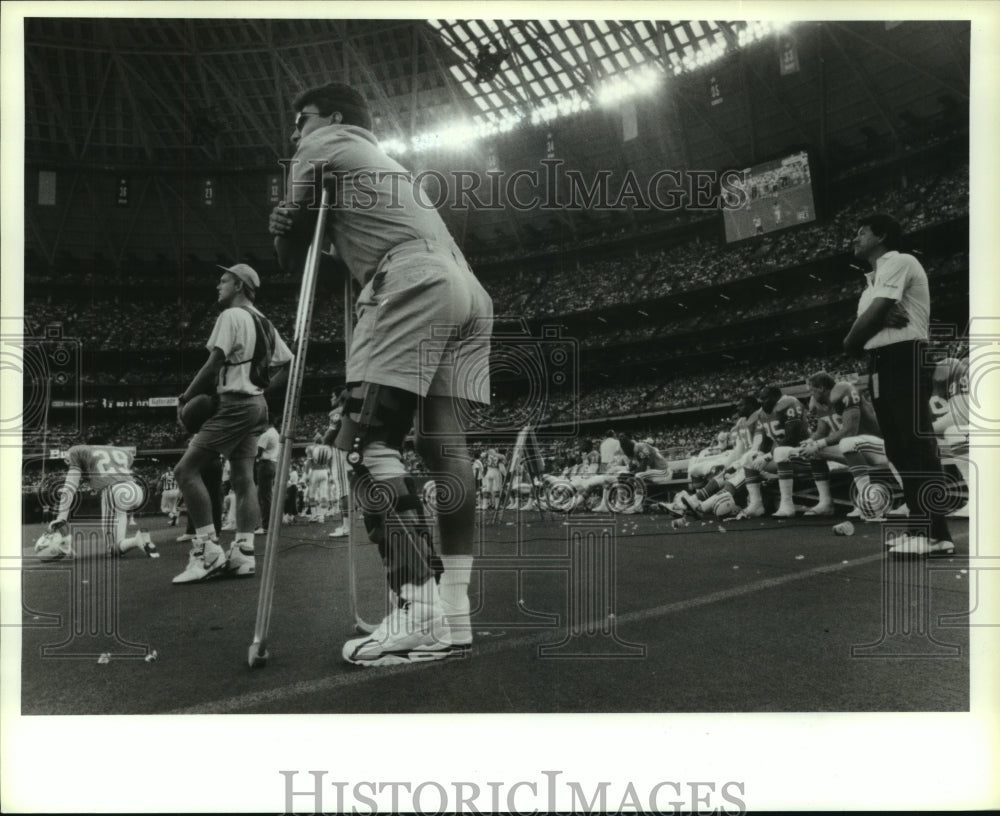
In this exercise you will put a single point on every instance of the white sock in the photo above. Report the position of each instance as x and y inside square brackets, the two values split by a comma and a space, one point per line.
[823, 488]
[454, 586]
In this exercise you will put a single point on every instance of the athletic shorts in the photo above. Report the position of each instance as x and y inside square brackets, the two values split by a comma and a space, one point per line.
[424, 325]
[319, 485]
[233, 430]
[492, 482]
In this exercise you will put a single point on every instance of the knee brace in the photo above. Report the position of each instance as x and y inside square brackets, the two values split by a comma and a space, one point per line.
[374, 413]
[375, 422]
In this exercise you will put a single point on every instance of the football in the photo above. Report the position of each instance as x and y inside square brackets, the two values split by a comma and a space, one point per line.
[196, 410]
[53, 547]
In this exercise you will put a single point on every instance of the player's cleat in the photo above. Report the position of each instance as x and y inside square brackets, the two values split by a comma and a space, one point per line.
[259, 531]
[961, 513]
[920, 545]
[201, 567]
[414, 632]
[900, 512]
[141, 541]
[340, 532]
[855, 513]
[751, 511]
[820, 510]
[187, 537]
[53, 546]
[240, 562]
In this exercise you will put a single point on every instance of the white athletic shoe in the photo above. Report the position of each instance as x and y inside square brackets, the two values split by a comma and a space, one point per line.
[340, 532]
[187, 537]
[784, 511]
[140, 541]
[900, 512]
[820, 510]
[921, 545]
[751, 511]
[855, 513]
[414, 632]
[240, 562]
[200, 568]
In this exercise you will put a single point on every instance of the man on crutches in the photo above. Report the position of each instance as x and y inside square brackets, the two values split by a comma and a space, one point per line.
[420, 351]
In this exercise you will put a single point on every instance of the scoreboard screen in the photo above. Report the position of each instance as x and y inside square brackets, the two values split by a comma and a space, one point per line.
[779, 194]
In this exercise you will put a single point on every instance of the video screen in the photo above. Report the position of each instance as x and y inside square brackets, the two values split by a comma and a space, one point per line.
[779, 195]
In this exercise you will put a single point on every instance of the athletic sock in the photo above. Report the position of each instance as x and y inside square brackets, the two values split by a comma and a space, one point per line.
[454, 592]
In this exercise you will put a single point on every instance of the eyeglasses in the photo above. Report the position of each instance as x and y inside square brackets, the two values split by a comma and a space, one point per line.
[301, 117]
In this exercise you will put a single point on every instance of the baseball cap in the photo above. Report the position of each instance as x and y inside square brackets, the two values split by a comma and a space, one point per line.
[245, 273]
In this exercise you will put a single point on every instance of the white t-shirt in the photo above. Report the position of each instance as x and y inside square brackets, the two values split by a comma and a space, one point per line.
[899, 277]
[269, 444]
[610, 448]
[235, 334]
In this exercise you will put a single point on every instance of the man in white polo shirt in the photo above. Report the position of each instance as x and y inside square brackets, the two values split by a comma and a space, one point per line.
[892, 327]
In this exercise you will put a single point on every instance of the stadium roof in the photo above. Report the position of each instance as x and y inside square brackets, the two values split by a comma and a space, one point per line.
[185, 94]
[128, 90]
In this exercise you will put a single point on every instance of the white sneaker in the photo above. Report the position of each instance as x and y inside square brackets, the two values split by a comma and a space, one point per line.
[240, 562]
[414, 632]
[140, 541]
[921, 545]
[751, 511]
[340, 532]
[259, 531]
[855, 513]
[820, 510]
[187, 537]
[900, 512]
[200, 567]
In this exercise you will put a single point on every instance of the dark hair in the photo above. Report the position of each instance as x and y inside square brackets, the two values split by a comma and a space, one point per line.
[886, 227]
[628, 445]
[748, 404]
[821, 380]
[336, 96]
[769, 392]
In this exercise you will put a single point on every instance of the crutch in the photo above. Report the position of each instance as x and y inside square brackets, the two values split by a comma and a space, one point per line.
[360, 624]
[303, 319]
[523, 456]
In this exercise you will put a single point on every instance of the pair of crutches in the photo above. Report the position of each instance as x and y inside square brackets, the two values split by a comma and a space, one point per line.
[258, 654]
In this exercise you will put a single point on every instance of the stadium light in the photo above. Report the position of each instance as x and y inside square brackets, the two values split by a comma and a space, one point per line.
[634, 83]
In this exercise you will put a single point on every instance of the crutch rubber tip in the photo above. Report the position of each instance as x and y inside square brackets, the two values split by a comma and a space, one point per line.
[256, 658]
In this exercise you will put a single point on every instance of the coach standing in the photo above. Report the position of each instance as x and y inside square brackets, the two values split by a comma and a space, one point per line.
[892, 327]
[233, 431]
